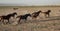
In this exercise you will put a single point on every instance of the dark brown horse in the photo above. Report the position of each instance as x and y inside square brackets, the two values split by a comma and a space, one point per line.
[7, 17]
[36, 14]
[23, 17]
[47, 13]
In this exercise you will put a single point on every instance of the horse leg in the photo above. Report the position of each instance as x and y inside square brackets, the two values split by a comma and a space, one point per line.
[32, 17]
[8, 21]
[0, 19]
[48, 15]
[45, 15]
[19, 21]
[3, 21]
[25, 20]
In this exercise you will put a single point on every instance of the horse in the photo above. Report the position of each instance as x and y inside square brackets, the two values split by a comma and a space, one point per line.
[47, 13]
[23, 17]
[36, 14]
[7, 17]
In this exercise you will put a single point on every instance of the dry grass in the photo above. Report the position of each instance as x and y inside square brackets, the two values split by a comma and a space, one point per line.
[40, 24]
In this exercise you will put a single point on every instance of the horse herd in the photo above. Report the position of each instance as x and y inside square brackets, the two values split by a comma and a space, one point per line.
[33, 15]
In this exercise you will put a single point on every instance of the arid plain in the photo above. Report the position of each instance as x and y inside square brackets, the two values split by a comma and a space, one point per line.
[40, 24]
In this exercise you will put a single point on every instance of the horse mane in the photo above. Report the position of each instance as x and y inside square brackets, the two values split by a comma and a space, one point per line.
[12, 14]
[37, 12]
[49, 10]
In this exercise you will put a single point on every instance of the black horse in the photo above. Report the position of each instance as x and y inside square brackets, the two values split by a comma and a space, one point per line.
[23, 17]
[7, 17]
[36, 14]
[47, 13]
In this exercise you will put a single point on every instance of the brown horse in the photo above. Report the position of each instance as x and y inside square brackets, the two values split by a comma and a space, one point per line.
[47, 13]
[35, 14]
[7, 17]
[23, 17]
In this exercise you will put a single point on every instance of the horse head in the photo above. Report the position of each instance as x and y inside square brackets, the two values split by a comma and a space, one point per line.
[39, 11]
[15, 13]
[49, 10]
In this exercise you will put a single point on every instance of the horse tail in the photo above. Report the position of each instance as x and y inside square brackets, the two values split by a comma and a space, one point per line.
[18, 16]
[0, 18]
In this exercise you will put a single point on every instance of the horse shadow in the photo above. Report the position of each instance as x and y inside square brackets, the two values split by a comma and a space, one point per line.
[52, 18]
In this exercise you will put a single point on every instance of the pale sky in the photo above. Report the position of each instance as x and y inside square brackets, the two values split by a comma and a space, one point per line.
[28, 2]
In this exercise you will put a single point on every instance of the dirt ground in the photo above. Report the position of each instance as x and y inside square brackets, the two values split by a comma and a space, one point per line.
[40, 24]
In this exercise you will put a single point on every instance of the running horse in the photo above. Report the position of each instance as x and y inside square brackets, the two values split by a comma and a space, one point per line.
[47, 13]
[7, 17]
[23, 17]
[36, 14]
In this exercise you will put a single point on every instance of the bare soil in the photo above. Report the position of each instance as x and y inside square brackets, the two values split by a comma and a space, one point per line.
[40, 24]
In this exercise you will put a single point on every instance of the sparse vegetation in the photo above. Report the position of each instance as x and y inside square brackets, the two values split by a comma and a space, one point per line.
[41, 24]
